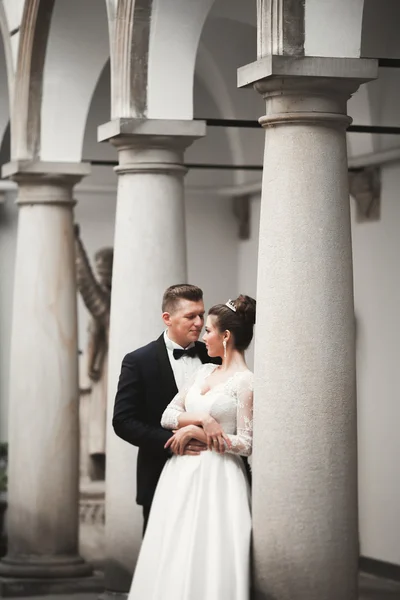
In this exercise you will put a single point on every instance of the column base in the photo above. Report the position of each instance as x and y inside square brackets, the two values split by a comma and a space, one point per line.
[13, 587]
[46, 567]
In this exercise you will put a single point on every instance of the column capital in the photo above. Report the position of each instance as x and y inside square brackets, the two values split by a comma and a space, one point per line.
[45, 182]
[139, 131]
[151, 145]
[354, 71]
[312, 90]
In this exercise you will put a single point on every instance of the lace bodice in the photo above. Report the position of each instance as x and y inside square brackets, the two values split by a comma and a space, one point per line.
[230, 403]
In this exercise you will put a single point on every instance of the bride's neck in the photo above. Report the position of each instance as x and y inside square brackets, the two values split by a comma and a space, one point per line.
[234, 360]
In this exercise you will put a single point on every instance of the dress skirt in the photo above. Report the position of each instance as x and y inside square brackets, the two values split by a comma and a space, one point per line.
[197, 542]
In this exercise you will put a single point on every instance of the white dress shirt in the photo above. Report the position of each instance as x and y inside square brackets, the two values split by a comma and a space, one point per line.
[183, 368]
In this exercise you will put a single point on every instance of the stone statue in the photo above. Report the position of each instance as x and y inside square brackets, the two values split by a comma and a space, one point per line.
[96, 294]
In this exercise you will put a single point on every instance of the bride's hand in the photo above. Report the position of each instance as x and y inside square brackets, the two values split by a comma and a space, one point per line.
[216, 438]
[178, 442]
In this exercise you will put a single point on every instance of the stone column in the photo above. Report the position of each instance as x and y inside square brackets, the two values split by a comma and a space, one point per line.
[305, 426]
[149, 255]
[43, 407]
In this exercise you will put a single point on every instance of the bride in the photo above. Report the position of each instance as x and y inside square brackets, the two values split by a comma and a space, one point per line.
[197, 542]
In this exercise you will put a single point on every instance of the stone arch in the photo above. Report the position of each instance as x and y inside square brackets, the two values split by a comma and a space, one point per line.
[25, 118]
[6, 74]
[71, 72]
[56, 77]
[154, 47]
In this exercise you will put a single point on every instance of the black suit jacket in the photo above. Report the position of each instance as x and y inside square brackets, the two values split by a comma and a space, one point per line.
[146, 387]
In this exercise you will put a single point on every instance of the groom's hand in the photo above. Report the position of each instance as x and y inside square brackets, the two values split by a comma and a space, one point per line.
[194, 447]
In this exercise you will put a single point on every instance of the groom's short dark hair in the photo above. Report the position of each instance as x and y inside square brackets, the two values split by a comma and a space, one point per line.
[180, 291]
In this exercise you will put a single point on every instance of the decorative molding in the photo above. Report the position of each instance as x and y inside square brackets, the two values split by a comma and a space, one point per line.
[92, 512]
[365, 188]
[280, 27]
[92, 503]
[82, 190]
[130, 42]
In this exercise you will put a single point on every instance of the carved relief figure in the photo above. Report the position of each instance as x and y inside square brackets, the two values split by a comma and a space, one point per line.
[96, 294]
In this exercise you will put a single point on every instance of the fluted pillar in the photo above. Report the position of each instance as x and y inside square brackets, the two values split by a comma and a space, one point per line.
[43, 404]
[305, 426]
[149, 256]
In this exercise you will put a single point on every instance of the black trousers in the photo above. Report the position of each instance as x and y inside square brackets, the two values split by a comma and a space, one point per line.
[146, 512]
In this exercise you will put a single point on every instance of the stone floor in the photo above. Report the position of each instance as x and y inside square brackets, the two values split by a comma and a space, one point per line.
[374, 588]
[371, 588]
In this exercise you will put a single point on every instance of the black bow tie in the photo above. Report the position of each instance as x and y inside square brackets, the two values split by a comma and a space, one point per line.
[178, 353]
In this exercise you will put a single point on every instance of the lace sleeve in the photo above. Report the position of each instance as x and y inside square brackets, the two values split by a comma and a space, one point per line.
[242, 442]
[176, 407]
[170, 416]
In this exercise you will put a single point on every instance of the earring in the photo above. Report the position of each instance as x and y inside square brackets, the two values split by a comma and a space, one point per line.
[224, 345]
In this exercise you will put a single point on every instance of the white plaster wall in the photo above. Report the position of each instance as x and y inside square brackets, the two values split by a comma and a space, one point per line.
[380, 28]
[175, 33]
[242, 12]
[376, 251]
[220, 37]
[212, 245]
[11, 15]
[13, 10]
[333, 28]
[247, 264]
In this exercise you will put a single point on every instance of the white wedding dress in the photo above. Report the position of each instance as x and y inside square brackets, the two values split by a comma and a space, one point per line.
[197, 542]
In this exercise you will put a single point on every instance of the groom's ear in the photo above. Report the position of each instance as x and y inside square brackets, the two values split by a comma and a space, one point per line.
[166, 317]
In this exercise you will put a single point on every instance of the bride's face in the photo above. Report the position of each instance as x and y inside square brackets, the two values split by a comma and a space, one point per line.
[213, 338]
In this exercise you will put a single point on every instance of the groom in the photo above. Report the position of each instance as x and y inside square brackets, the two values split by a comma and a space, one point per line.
[151, 376]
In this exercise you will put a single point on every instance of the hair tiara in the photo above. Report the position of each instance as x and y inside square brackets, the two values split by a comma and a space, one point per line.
[230, 305]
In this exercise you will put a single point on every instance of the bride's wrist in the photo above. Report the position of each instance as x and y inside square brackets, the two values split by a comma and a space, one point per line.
[204, 419]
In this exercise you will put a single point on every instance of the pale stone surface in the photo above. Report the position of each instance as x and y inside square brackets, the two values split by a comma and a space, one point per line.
[341, 30]
[43, 421]
[359, 69]
[305, 429]
[149, 255]
[152, 127]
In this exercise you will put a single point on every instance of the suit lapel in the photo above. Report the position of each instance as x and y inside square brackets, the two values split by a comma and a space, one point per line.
[167, 376]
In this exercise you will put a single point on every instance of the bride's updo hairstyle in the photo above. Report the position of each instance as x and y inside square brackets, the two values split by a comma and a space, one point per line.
[237, 316]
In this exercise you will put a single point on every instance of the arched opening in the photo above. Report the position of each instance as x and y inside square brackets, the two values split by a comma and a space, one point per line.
[77, 49]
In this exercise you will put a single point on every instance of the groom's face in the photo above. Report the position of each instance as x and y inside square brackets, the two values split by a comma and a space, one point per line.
[185, 322]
